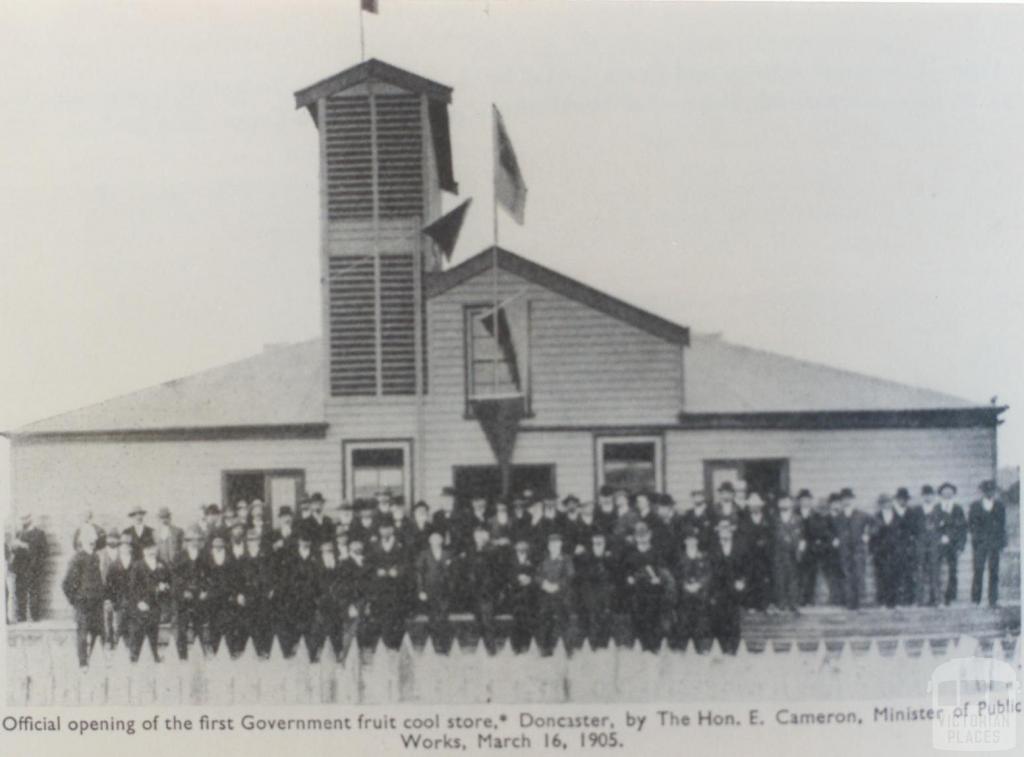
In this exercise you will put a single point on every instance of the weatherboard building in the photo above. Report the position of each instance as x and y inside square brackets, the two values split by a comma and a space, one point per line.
[414, 386]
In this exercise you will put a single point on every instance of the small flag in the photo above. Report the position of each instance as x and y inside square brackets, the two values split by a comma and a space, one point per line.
[370, 6]
[445, 230]
[509, 187]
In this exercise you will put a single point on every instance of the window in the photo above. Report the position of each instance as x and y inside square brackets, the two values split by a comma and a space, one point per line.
[497, 366]
[372, 467]
[633, 463]
[768, 477]
[276, 488]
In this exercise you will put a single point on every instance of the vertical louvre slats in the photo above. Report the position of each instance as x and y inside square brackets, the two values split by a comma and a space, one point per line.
[349, 157]
[398, 335]
[353, 332]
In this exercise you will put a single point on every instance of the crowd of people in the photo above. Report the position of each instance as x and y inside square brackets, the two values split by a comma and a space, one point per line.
[672, 572]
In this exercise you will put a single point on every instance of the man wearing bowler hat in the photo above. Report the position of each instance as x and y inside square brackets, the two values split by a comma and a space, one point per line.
[188, 593]
[987, 521]
[953, 538]
[138, 532]
[149, 587]
[554, 580]
[929, 549]
[911, 527]
[853, 527]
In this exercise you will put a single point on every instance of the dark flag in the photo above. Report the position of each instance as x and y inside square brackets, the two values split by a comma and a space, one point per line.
[370, 6]
[445, 230]
[499, 418]
[509, 187]
[505, 343]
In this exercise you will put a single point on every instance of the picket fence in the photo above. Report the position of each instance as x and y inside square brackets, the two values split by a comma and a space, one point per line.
[46, 673]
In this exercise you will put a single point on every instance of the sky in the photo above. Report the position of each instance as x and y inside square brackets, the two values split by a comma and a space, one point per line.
[843, 184]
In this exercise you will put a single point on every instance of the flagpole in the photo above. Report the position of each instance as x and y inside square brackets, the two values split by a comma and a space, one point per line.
[494, 247]
[362, 36]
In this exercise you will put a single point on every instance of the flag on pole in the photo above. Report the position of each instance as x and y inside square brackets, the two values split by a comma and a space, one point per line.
[370, 6]
[509, 187]
[445, 230]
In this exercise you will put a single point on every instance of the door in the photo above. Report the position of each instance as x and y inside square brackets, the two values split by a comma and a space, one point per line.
[768, 477]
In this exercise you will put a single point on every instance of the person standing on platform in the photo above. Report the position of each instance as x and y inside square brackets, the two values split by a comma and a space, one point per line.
[257, 585]
[819, 537]
[481, 579]
[169, 538]
[755, 533]
[138, 533]
[787, 550]
[83, 587]
[107, 558]
[297, 598]
[987, 522]
[692, 622]
[433, 587]
[911, 526]
[648, 584]
[953, 538]
[188, 593]
[522, 592]
[355, 582]
[929, 591]
[30, 553]
[596, 571]
[853, 527]
[389, 600]
[554, 580]
[728, 588]
[887, 550]
[149, 586]
[220, 608]
[116, 590]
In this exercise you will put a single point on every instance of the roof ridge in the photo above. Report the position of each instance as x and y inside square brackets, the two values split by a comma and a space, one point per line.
[710, 337]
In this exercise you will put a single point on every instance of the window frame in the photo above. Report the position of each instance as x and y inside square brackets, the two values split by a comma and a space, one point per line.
[468, 312]
[602, 440]
[348, 446]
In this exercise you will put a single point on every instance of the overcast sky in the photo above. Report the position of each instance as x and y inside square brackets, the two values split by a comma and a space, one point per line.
[842, 184]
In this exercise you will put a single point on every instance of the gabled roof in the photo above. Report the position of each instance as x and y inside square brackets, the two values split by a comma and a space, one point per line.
[372, 69]
[438, 283]
[279, 388]
[722, 377]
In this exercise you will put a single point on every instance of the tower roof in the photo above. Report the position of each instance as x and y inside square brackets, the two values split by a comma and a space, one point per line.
[377, 70]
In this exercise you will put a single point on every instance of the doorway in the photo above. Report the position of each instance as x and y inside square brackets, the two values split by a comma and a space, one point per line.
[485, 481]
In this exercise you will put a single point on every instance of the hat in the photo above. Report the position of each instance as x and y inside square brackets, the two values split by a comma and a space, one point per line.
[755, 500]
[136, 511]
[846, 493]
[902, 494]
[641, 529]
[326, 545]
[570, 499]
[211, 510]
[884, 499]
[554, 536]
[163, 512]
[316, 497]
[283, 511]
[690, 533]
[834, 497]
[605, 491]
[726, 486]
[303, 535]
[927, 489]
[522, 540]
[947, 485]
[723, 525]
[987, 486]
[421, 505]
[386, 521]
[804, 493]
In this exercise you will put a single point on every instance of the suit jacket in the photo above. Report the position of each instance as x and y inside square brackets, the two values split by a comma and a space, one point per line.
[954, 528]
[83, 584]
[136, 539]
[169, 545]
[149, 585]
[433, 575]
[851, 530]
[988, 529]
[116, 585]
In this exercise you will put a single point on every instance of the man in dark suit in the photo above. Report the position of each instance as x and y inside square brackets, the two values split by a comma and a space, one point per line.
[83, 587]
[138, 533]
[728, 587]
[987, 522]
[169, 538]
[554, 580]
[755, 534]
[819, 557]
[887, 549]
[648, 584]
[188, 593]
[389, 598]
[298, 597]
[433, 588]
[596, 571]
[522, 595]
[149, 587]
[222, 595]
[28, 563]
[953, 538]
[257, 586]
[787, 549]
[693, 592]
[321, 527]
[116, 595]
[929, 549]
[853, 529]
[481, 579]
[354, 580]
[911, 528]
